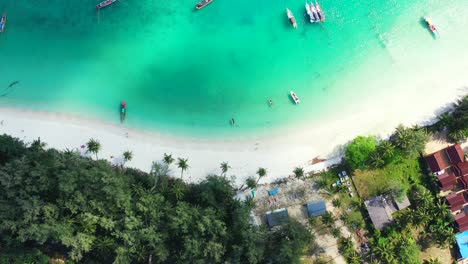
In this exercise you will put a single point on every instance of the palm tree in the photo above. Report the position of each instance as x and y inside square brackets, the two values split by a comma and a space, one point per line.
[168, 159]
[385, 252]
[158, 169]
[93, 146]
[422, 217]
[179, 190]
[328, 218]
[225, 167]
[377, 161]
[401, 137]
[183, 165]
[251, 183]
[127, 155]
[38, 145]
[299, 172]
[386, 149]
[432, 261]
[261, 173]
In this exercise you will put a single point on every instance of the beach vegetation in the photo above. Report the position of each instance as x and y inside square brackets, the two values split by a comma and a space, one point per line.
[455, 122]
[261, 172]
[127, 155]
[168, 159]
[432, 261]
[93, 146]
[336, 202]
[251, 182]
[38, 144]
[360, 151]
[289, 242]
[299, 172]
[224, 168]
[182, 164]
[411, 140]
[56, 205]
[10, 148]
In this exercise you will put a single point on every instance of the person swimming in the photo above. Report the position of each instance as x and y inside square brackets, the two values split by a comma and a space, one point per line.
[233, 122]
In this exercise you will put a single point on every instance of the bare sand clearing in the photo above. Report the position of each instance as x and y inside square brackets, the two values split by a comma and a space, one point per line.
[279, 152]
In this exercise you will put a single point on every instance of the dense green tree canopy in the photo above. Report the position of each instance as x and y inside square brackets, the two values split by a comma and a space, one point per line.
[83, 210]
[456, 121]
[359, 152]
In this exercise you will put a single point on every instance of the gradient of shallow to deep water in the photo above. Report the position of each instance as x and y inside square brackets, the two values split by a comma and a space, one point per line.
[189, 72]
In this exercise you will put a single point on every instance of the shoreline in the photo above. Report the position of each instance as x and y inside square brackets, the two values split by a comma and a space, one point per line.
[279, 152]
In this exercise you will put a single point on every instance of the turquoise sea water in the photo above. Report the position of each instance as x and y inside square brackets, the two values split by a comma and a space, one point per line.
[189, 72]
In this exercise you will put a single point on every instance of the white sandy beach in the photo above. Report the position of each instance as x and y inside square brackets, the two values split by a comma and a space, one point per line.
[279, 152]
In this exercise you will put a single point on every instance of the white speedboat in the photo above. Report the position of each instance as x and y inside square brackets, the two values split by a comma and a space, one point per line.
[291, 18]
[309, 13]
[295, 98]
[319, 11]
[314, 13]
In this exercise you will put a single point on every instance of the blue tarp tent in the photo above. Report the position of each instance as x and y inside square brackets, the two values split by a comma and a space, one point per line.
[277, 217]
[316, 208]
[462, 241]
[273, 192]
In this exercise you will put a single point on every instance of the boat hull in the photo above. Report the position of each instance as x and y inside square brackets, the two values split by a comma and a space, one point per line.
[294, 97]
[320, 11]
[291, 18]
[105, 4]
[430, 25]
[202, 4]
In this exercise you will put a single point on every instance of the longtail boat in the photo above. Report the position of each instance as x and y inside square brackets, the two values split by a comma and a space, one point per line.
[105, 3]
[202, 4]
[2, 23]
[319, 11]
[123, 111]
[430, 25]
[291, 18]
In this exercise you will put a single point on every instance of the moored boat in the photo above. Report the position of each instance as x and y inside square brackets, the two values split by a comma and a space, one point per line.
[430, 25]
[319, 11]
[291, 18]
[309, 13]
[123, 111]
[295, 98]
[313, 10]
[2, 23]
[105, 3]
[202, 4]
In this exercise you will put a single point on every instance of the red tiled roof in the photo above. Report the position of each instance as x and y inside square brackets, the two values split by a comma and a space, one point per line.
[456, 201]
[447, 180]
[455, 154]
[462, 221]
[464, 180]
[461, 169]
[436, 161]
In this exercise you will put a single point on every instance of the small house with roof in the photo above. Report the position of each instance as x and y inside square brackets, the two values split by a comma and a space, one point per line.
[444, 158]
[461, 169]
[277, 217]
[462, 221]
[381, 208]
[447, 181]
[456, 201]
[316, 208]
[462, 242]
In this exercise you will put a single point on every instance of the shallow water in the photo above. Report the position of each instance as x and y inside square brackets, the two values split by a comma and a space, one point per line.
[189, 72]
